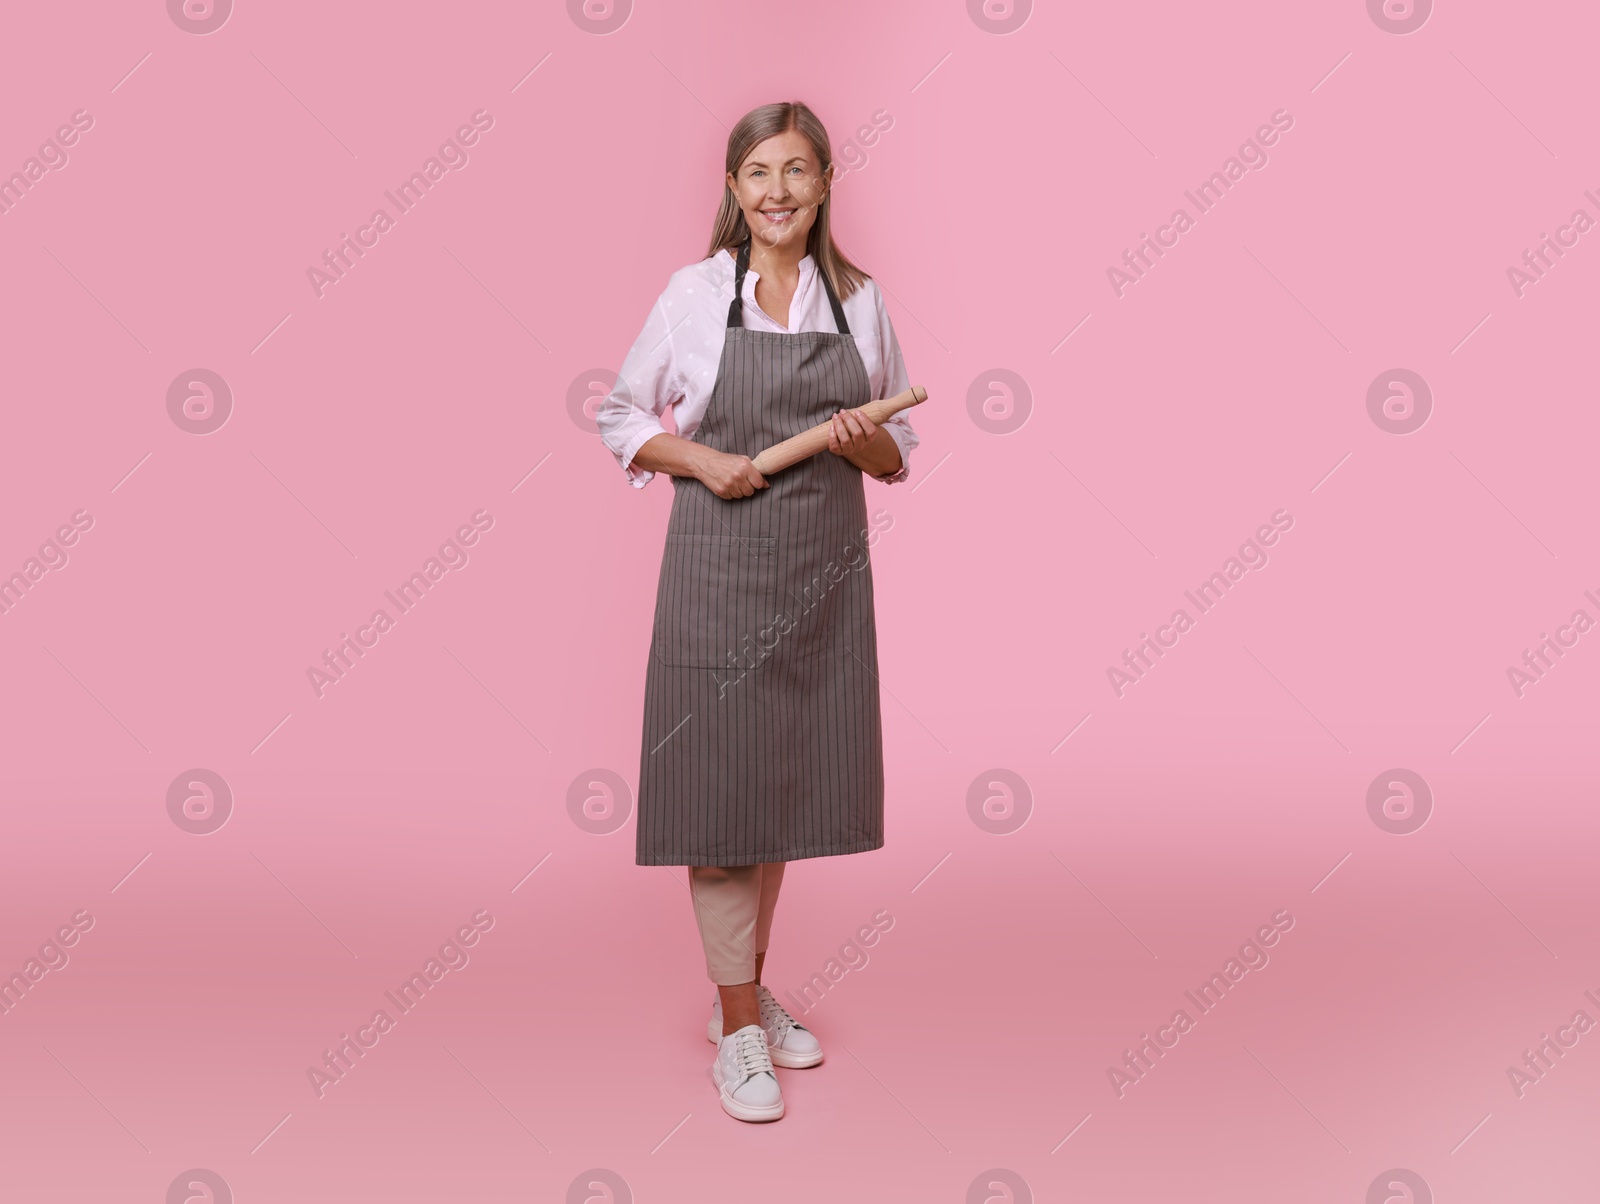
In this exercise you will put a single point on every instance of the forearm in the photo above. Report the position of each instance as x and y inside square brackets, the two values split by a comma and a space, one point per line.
[671, 454]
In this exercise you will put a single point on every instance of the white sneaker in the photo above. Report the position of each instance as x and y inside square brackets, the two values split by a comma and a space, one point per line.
[743, 1075]
[788, 1043]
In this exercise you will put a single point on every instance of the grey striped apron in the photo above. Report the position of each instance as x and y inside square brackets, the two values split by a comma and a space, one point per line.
[762, 735]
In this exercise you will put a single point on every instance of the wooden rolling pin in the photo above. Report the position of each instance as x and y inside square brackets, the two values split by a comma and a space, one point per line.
[808, 443]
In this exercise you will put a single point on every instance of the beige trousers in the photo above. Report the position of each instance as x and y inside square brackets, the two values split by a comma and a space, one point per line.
[733, 906]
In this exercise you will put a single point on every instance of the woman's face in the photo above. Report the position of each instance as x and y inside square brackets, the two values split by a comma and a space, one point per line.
[779, 186]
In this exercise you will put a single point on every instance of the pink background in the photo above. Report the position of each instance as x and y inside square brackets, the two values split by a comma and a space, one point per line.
[370, 423]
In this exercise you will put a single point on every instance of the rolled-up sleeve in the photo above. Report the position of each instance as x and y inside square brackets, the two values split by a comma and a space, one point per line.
[895, 380]
[630, 415]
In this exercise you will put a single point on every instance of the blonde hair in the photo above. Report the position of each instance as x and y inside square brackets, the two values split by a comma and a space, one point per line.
[730, 228]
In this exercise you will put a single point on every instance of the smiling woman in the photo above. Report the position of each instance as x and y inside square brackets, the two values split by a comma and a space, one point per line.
[773, 333]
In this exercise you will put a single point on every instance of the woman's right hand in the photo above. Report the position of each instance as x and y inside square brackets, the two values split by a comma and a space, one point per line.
[729, 476]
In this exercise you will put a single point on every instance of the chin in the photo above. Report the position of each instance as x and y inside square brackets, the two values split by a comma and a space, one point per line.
[776, 236]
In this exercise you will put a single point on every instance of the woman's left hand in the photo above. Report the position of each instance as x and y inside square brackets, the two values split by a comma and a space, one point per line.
[849, 433]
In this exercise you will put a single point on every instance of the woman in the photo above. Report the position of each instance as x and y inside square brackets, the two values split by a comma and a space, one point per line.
[762, 741]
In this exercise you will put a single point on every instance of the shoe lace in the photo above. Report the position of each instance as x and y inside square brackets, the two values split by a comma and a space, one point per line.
[750, 1054]
[775, 1016]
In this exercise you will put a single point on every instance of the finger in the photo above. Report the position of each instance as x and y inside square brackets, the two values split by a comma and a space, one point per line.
[852, 430]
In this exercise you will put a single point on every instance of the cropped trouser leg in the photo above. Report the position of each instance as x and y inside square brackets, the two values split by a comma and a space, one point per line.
[733, 905]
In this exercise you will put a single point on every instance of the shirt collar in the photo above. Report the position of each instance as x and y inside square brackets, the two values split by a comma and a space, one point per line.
[806, 264]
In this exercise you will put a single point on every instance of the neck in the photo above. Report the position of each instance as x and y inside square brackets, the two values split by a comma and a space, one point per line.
[774, 263]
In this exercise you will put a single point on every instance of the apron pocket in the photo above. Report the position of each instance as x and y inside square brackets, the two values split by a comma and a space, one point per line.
[717, 594]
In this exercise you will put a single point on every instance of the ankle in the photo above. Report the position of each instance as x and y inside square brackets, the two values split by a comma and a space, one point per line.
[741, 1006]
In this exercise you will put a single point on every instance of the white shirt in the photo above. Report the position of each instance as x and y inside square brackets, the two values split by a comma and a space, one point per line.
[675, 359]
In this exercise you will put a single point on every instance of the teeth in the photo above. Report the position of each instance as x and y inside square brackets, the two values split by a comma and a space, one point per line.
[777, 214]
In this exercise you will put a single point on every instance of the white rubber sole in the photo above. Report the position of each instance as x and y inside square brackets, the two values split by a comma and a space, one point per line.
[738, 1110]
[779, 1057]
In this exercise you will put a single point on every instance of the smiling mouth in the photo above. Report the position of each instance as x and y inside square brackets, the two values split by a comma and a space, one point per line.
[778, 216]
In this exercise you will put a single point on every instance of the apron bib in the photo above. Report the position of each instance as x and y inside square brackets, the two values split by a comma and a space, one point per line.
[762, 736]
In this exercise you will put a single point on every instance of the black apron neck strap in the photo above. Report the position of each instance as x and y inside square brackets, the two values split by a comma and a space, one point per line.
[736, 306]
[833, 300]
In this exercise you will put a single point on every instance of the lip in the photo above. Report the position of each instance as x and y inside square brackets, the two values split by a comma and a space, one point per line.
[789, 213]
